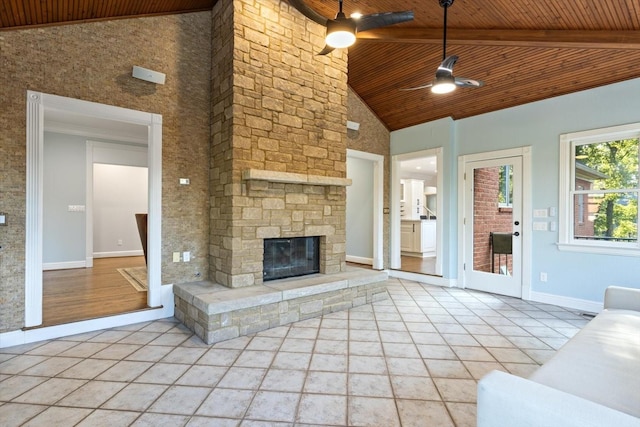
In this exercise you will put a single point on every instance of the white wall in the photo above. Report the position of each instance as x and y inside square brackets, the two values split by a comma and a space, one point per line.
[539, 125]
[63, 185]
[119, 192]
[360, 208]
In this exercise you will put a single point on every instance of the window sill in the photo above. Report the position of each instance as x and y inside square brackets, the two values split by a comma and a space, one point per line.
[601, 250]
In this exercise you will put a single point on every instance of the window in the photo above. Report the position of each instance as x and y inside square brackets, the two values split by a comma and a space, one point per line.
[599, 190]
[505, 191]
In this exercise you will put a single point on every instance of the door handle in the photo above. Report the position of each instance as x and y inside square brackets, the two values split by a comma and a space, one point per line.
[517, 233]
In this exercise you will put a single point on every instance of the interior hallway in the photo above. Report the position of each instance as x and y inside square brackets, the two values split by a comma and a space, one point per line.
[411, 360]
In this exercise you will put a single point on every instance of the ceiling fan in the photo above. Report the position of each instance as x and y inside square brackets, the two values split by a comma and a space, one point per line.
[445, 82]
[341, 31]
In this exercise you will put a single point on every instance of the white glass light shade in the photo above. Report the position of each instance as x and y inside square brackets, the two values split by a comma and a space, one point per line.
[340, 39]
[443, 87]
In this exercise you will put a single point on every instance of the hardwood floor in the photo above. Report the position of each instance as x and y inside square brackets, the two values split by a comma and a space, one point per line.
[87, 293]
[418, 265]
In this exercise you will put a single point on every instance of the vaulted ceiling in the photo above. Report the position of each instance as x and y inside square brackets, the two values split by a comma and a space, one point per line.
[523, 50]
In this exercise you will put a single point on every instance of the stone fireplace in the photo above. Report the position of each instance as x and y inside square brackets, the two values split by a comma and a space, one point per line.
[278, 171]
[278, 166]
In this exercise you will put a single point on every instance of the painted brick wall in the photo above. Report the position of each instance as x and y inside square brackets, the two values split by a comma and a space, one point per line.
[93, 62]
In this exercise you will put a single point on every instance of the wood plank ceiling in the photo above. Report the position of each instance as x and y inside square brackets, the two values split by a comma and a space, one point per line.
[524, 50]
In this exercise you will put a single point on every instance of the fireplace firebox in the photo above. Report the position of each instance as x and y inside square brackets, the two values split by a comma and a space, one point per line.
[291, 257]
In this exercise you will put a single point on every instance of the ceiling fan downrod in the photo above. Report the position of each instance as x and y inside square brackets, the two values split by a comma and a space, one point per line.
[444, 4]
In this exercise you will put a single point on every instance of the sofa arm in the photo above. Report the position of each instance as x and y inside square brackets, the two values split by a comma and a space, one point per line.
[622, 298]
[505, 400]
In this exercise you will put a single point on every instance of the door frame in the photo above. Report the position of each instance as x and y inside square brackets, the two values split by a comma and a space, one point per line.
[394, 247]
[378, 201]
[37, 105]
[525, 154]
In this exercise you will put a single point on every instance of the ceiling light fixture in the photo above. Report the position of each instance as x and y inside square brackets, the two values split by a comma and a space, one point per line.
[341, 32]
[443, 84]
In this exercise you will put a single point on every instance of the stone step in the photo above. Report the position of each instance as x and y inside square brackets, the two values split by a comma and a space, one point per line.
[204, 302]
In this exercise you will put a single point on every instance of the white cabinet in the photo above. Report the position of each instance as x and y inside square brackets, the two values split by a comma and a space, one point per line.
[411, 198]
[407, 238]
[418, 238]
[428, 237]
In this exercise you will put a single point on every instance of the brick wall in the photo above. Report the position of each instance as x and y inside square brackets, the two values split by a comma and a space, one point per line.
[93, 62]
[583, 226]
[277, 106]
[488, 217]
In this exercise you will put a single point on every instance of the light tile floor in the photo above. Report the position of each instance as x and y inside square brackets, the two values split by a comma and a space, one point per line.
[412, 360]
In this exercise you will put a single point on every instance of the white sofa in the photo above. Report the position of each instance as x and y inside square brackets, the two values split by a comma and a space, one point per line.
[593, 380]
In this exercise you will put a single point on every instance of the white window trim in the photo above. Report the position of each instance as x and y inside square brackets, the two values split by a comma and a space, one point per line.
[565, 183]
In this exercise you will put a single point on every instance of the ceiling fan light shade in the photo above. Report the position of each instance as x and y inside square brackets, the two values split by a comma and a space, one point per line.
[341, 34]
[443, 85]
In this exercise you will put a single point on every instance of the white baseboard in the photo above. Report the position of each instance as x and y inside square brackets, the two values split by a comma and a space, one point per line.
[359, 260]
[63, 265]
[568, 302]
[423, 278]
[9, 339]
[115, 254]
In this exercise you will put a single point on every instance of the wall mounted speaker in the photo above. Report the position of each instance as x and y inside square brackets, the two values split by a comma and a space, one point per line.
[148, 75]
[353, 125]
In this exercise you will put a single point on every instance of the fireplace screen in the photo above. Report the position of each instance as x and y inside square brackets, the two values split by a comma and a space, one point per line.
[291, 257]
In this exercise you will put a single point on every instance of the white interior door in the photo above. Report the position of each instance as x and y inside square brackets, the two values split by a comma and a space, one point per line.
[493, 225]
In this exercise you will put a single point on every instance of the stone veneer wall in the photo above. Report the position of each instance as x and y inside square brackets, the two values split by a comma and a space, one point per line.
[277, 106]
[372, 137]
[93, 62]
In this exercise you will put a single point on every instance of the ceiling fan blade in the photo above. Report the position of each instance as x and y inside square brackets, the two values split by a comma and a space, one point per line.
[418, 87]
[327, 49]
[464, 82]
[302, 7]
[377, 20]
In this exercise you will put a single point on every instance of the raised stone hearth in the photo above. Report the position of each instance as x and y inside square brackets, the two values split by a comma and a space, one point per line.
[217, 313]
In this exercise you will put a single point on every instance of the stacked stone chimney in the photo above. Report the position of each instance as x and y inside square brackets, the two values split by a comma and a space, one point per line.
[278, 147]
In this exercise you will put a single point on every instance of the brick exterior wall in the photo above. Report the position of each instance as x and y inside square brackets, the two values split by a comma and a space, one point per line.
[277, 106]
[487, 217]
[93, 62]
[582, 225]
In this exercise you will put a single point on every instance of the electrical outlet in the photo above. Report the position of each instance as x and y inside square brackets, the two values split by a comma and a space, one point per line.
[186, 256]
[119, 242]
[543, 277]
[176, 257]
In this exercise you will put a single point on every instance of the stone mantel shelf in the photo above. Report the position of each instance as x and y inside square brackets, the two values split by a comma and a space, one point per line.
[293, 178]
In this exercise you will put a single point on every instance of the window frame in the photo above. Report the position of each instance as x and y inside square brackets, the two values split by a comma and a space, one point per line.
[568, 142]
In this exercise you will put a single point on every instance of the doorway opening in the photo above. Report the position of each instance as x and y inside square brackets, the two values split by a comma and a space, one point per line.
[364, 227]
[417, 205]
[111, 123]
[92, 250]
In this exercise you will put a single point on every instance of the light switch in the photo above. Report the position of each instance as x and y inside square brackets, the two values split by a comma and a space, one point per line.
[3, 218]
[540, 226]
[539, 213]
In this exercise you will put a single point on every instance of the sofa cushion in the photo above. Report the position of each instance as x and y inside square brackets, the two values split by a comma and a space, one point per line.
[601, 363]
